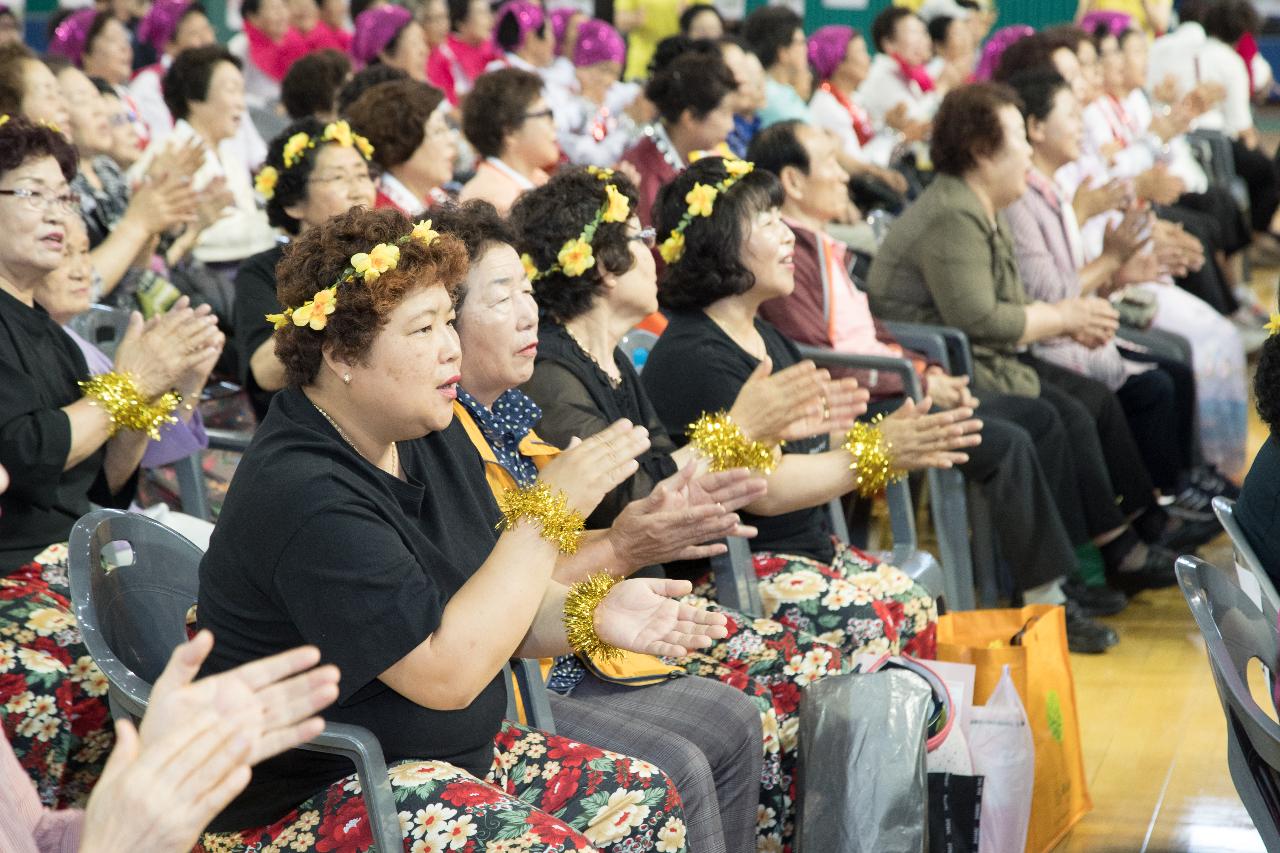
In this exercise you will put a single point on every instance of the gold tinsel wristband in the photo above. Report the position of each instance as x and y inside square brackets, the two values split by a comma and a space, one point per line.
[561, 525]
[872, 461]
[124, 404]
[580, 613]
[725, 445]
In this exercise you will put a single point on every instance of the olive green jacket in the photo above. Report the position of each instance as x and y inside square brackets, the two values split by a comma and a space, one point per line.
[944, 262]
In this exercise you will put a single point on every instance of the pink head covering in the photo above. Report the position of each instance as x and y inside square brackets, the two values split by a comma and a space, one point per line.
[375, 28]
[598, 42]
[560, 25]
[1115, 22]
[161, 22]
[828, 46]
[72, 35]
[528, 16]
[995, 48]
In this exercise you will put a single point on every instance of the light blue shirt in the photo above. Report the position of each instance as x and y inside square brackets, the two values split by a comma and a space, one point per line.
[782, 103]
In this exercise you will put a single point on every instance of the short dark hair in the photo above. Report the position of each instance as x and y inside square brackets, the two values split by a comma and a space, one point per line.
[358, 7]
[188, 78]
[687, 16]
[886, 24]
[321, 254]
[1266, 384]
[1033, 53]
[291, 183]
[22, 139]
[311, 84]
[104, 88]
[364, 80]
[1229, 20]
[459, 10]
[711, 267]
[496, 106]
[1065, 35]
[967, 126]
[547, 217]
[393, 117]
[1192, 10]
[694, 81]
[99, 24]
[1037, 91]
[770, 29]
[13, 84]
[779, 146]
[478, 225]
[672, 47]
[938, 28]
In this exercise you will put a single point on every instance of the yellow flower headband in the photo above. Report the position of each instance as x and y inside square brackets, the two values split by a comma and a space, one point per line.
[575, 256]
[365, 266]
[1273, 325]
[700, 200]
[297, 145]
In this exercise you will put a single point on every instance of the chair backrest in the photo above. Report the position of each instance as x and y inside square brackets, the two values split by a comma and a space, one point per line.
[1252, 576]
[1236, 631]
[103, 326]
[132, 613]
[637, 344]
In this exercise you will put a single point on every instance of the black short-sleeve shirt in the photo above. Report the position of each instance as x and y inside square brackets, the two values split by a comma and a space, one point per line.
[255, 299]
[39, 368]
[696, 368]
[316, 545]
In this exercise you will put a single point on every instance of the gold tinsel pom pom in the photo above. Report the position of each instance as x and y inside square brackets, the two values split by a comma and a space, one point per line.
[579, 617]
[872, 459]
[725, 446]
[561, 524]
[118, 395]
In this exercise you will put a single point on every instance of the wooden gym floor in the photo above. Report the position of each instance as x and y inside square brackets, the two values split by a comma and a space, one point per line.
[1153, 731]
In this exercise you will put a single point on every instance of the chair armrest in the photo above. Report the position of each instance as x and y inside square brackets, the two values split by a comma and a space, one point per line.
[735, 575]
[226, 439]
[533, 694]
[358, 744]
[944, 344]
[903, 368]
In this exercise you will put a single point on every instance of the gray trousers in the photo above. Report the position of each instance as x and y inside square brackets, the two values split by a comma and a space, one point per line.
[703, 734]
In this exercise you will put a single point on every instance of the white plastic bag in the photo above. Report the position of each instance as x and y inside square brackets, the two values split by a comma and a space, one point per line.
[1003, 751]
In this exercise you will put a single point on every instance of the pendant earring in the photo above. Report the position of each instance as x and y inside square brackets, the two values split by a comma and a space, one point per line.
[346, 378]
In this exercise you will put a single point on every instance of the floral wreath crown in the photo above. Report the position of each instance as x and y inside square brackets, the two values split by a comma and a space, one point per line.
[699, 201]
[575, 256]
[364, 266]
[297, 146]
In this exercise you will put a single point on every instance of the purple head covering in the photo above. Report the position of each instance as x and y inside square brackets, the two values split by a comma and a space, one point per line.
[375, 28]
[158, 26]
[598, 42]
[528, 17]
[995, 48]
[1115, 22]
[72, 35]
[828, 46]
[560, 19]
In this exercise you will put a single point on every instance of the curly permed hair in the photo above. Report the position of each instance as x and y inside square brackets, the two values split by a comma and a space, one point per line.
[548, 217]
[321, 254]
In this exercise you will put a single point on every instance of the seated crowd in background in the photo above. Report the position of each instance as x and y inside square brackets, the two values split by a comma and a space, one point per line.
[411, 240]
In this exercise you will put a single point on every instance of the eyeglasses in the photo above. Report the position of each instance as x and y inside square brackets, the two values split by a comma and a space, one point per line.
[68, 202]
[345, 177]
[648, 236]
[539, 114]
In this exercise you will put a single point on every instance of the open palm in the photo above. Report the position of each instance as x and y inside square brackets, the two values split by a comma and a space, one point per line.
[640, 615]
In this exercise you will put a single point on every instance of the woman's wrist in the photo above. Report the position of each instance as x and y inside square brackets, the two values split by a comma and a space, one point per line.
[580, 613]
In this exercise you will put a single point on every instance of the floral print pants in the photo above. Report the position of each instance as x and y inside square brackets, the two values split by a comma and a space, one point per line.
[53, 699]
[823, 618]
[542, 793]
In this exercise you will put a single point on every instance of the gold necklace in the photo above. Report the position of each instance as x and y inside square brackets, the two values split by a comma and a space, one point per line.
[395, 451]
[613, 381]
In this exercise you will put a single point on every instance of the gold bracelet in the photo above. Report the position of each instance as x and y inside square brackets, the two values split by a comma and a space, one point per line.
[580, 617]
[120, 398]
[561, 524]
[726, 446]
[872, 461]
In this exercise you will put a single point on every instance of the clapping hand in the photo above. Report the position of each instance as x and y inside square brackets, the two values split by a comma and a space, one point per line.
[920, 440]
[640, 615]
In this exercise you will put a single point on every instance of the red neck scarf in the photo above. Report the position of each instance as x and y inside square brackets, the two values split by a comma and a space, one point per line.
[916, 73]
[862, 125]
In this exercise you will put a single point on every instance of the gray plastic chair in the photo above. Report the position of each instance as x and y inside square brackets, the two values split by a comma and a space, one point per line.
[103, 326]
[190, 471]
[637, 344]
[1235, 631]
[1248, 566]
[133, 616]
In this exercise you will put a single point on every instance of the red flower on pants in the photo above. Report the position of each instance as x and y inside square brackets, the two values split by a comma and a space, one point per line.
[561, 788]
[925, 644]
[464, 794]
[570, 753]
[12, 684]
[884, 609]
[550, 830]
[346, 829]
[53, 650]
[88, 716]
[786, 697]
